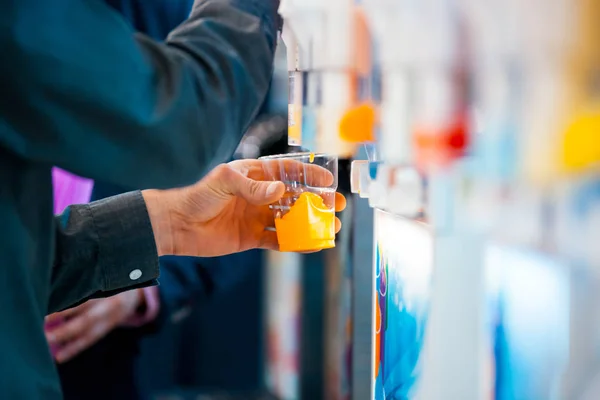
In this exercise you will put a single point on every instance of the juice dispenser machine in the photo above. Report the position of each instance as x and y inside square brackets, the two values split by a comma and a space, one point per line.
[318, 309]
[483, 145]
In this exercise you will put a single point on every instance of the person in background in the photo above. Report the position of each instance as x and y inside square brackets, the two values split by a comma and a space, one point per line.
[82, 91]
[100, 338]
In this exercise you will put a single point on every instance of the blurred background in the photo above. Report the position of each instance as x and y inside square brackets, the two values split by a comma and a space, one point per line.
[468, 138]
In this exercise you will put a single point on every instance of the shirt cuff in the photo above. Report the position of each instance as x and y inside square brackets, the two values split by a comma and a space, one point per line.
[150, 310]
[127, 251]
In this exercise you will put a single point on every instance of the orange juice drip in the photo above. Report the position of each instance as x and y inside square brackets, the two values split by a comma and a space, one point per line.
[309, 225]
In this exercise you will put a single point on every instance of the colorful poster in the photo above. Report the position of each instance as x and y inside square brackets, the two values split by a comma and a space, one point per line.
[402, 279]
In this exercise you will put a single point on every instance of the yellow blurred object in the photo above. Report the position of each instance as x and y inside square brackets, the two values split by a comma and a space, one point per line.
[311, 158]
[563, 117]
[581, 144]
[308, 226]
[358, 123]
[294, 125]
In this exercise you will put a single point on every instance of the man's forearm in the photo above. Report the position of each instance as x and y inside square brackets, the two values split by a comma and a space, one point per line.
[113, 244]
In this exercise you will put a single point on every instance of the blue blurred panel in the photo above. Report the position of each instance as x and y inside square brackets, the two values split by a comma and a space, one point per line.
[403, 272]
[532, 322]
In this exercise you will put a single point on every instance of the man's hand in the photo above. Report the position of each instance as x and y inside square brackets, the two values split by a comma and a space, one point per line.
[74, 330]
[226, 212]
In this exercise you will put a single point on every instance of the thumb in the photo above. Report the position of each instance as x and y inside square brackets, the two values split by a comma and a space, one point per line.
[257, 192]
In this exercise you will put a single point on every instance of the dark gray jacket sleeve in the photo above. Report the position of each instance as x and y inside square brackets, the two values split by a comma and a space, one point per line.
[102, 248]
[80, 90]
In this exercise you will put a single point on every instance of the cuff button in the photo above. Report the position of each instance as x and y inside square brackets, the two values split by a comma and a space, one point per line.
[135, 274]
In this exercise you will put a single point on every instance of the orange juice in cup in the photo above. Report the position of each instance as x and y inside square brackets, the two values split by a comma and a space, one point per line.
[305, 215]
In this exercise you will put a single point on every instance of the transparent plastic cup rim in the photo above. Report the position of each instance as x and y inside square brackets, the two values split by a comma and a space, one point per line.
[307, 158]
[298, 155]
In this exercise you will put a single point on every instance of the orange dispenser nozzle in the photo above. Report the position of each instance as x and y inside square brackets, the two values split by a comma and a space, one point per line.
[357, 124]
[442, 147]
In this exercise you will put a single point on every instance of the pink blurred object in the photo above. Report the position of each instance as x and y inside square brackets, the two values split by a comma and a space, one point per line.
[69, 189]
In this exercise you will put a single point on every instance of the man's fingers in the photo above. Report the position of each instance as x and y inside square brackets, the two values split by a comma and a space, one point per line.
[54, 319]
[254, 192]
[268, 241]
[259, 192]
[82, 332]
[69, 331]
[284, 170]
[85, 340]
[340, 202]
[338, 225]
[246, 178]
[73, 348]
[295, 171]
[66, 314]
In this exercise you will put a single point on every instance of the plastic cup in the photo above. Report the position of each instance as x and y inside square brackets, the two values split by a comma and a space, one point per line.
[305, 215]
